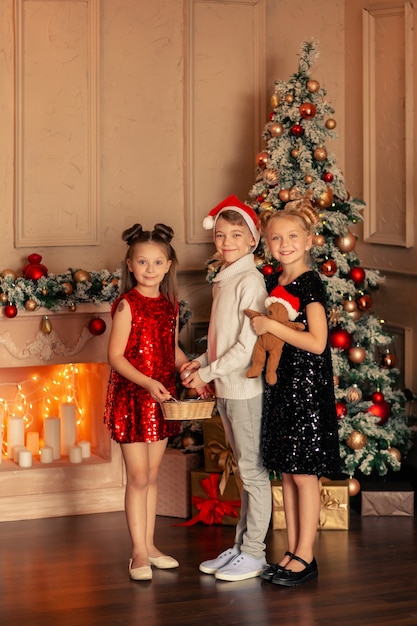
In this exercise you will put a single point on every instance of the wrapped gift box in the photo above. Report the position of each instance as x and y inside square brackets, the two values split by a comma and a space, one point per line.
[388, 499]
[216, 448]
[334, 510]
[174, 482]
[208, 505]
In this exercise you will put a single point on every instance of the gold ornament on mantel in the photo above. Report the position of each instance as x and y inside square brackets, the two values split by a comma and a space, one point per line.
[356, 440]
[82, 276]
[395, 453]
[3, 297]
[8, 272]
[72, 307]
[31, 305]
[46, 325]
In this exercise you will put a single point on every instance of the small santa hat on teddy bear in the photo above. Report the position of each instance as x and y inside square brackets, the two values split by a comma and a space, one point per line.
[233, 203]
[291, 303]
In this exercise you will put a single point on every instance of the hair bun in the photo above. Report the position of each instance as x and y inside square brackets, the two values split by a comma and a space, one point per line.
[132, 233]
[165, 232]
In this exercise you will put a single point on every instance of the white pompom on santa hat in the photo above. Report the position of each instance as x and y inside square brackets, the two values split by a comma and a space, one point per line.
[233, 203]
[291, 303]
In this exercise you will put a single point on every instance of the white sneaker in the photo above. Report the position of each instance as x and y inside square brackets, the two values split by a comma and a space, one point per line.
[241, 567]
[211, 566]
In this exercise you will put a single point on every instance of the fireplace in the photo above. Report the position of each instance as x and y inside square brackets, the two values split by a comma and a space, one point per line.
[47, 365]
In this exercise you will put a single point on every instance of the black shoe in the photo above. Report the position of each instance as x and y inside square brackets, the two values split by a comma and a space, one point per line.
[270, 571]
[288, 578]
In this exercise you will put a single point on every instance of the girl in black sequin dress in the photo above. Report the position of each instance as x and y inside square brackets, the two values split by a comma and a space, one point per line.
[300, 433]
[144, 354]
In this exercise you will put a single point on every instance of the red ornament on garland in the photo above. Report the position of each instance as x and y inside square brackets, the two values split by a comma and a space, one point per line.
[34, 270]
[357, 274]
[340, 338]
[97, 326]
[10, 311]
[381, 410]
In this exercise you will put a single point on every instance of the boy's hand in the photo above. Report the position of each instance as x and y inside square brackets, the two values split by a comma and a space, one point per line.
[193, 381]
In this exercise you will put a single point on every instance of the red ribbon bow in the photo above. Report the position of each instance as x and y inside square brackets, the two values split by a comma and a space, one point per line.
[212, 510]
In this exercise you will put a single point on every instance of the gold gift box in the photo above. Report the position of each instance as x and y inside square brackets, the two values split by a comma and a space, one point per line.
[392, 500]
[216, 448]
[334, 510]
[208, 505]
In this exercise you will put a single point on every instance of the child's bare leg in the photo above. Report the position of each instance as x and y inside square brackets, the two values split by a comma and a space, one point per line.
[309, 512]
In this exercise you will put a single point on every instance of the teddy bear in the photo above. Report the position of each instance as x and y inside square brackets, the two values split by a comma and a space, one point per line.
[282, 307]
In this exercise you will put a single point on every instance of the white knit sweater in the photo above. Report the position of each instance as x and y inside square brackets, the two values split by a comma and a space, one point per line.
[230, 336]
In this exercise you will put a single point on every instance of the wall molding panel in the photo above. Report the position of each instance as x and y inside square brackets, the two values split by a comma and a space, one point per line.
[224, 103]
[388, 92]
[57, 123]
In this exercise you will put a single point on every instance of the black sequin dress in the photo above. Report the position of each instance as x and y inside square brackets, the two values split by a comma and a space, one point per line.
[300, 433]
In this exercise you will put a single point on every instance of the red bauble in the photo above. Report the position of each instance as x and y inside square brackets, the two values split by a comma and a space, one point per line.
[97, 326]
[364, 302]
[328, 268]
[297, 130]
[267, 270]
[381, 410]
[377, 397]
[10, 310]
[327, 177]
[357, 274]
[34, 270]
[341, 409]
[262, 159]
[308, 110]
[388, 360]
[340, 338]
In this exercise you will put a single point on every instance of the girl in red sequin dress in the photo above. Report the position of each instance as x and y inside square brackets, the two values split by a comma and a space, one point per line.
[143, 353]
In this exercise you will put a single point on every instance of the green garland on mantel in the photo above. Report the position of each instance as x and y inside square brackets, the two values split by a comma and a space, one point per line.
[58, 291]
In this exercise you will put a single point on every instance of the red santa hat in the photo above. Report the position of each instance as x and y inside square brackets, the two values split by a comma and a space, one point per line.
[234, 204]
[291, 303]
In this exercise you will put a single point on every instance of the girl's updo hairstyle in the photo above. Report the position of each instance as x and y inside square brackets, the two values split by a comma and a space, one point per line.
[161, 235]
[299, 207]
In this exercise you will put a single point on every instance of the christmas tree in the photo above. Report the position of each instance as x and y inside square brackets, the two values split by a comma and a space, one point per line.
[295, 163]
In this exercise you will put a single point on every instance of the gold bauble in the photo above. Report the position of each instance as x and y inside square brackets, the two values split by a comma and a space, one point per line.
[44, 291]
[308, 179]
[275, 100]
[284, 195]
[354, 487]
[330, 123]
[357, 354]
[353, 394]
[395, 453]
[82, 276]
[356, 440]
[355, 315]
[346, 243]
[68, 288]
[72, 307]
[31, 305]
[295, 152]
[266, 206]
[335, 381]
[320, 153]
[271, 176]
[289, 98]
[325, 199]
[319, 240]
[46, 325]
[9, 272]
[313, 86]
[350, 305]
[3, 297]
[276, 129]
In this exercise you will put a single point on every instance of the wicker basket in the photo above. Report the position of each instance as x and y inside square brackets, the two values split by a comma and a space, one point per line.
[188, 409]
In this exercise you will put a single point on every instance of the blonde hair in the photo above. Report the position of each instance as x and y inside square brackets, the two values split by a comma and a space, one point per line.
[300, 209]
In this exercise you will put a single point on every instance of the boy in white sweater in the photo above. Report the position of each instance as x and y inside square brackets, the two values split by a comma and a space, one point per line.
[237, 286]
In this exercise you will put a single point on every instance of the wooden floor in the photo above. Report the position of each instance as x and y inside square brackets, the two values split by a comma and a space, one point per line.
[73, 571]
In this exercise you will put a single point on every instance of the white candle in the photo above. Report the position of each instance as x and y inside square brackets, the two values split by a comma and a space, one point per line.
[52, 435]
[1, 430]
[16, 452]
[75, 455]
[25, 458]
[47, 454]
[32, 442]
[85, 449]
[68, 426]
[15, 433]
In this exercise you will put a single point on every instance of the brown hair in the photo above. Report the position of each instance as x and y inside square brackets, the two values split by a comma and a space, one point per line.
[161, 235]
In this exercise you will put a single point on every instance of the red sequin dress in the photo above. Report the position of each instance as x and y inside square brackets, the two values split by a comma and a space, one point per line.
[130, 413]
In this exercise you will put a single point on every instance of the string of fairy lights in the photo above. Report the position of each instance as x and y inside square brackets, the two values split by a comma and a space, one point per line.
[20, 398]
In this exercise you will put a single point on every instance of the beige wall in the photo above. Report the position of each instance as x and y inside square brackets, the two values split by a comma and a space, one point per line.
[178, 132]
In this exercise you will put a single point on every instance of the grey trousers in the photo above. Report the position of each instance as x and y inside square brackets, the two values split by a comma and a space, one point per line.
[242, 424]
